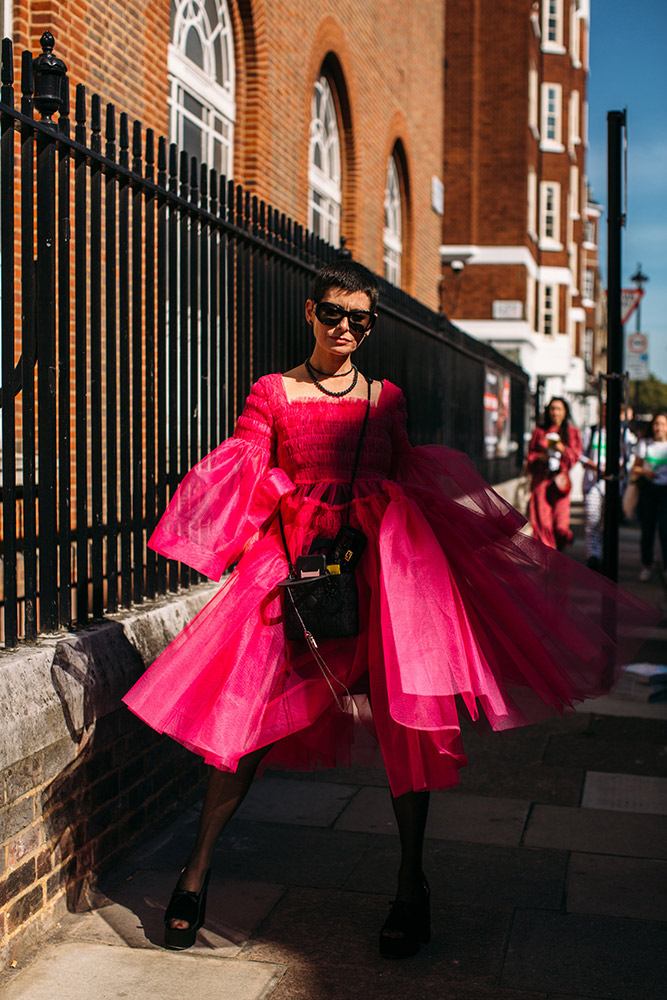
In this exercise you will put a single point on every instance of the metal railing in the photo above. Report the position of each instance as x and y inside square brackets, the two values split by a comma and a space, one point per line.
[141, 294]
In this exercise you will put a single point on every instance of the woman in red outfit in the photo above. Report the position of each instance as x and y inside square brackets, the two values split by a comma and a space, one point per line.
[554, 449]
[457, 607]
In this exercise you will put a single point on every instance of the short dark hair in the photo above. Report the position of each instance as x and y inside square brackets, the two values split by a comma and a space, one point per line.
[348, 275]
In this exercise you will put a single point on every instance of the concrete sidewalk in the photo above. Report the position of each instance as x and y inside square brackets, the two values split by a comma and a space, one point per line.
[548, 869]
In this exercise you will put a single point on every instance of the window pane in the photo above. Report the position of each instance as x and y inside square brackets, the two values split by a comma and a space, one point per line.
[204, 112]
[192, 105]
[193, 48]
[192, 138]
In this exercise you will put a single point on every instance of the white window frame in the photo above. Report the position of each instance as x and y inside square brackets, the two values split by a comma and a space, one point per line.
[550, 216]
[187, 80]
[588, 287]
[325, 193]
[574, 120]
[549, 309]
[6, 18]
[575, 36]
[574, 193]
[392, 234]
[533, 109]
[552, 26]
[589, 338]
[574, 267]
[532, 203]
[530, 301]
[589, 229]
[551, 127]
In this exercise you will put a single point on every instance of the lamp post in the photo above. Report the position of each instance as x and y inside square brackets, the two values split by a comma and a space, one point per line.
[639, 279]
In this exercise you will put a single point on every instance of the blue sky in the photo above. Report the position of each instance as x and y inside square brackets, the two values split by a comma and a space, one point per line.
[628, 62]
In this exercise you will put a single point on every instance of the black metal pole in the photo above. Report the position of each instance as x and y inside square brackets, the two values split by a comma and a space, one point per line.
[615, 125]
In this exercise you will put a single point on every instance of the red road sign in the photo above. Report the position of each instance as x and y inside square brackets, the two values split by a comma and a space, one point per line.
[637, 343]
[630, 299]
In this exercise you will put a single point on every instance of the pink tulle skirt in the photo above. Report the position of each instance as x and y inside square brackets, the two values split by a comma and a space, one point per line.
[460, 611]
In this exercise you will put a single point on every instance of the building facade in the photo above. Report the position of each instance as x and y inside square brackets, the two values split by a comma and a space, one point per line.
[332, 113]
[520, 230]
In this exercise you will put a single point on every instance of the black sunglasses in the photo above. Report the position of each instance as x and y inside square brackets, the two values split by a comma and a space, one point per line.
[330, 314]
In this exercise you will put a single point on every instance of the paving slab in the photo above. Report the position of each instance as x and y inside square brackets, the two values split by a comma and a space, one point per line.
[639, 793]
[79, 971]
[333, 937]
[385, 983]
[475, 818]
[597, 831]
[617, 886]
[133, 912]
[615, 705]
[602, 751]
[590, 956]
[285, 800]
[289, 855]
[481, 874]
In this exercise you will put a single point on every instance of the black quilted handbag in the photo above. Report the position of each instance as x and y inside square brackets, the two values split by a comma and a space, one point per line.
[325, 606]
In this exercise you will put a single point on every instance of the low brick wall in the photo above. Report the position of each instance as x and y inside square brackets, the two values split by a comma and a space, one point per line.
[81, 778]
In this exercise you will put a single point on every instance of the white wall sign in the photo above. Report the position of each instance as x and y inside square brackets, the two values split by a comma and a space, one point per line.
[637, 367]
[507, 309]
[437, 195]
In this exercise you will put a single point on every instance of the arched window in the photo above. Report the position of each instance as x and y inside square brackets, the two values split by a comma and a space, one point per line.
[202, 83]
[324, 174]
[392, 238]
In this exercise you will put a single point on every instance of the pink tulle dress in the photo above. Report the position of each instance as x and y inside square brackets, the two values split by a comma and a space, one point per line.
[459, 610]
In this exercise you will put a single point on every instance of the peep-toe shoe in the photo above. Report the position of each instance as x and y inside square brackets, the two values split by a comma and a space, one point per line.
[407, 927]
[186, 906]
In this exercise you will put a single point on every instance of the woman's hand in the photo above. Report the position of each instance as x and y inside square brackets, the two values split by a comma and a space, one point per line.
[639, 470]
[559, 446]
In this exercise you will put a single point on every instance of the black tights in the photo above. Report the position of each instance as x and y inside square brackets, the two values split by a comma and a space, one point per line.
[226, 791]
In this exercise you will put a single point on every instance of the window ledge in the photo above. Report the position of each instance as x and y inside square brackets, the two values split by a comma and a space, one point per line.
[550, 245]
[554, 48]
[551, 146]
[587, 245]
[588, 303]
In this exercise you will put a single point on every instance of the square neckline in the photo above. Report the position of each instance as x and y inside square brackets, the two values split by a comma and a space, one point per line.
[322, 397]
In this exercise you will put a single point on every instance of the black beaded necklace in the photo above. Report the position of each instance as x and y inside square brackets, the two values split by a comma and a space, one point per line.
[330, 392]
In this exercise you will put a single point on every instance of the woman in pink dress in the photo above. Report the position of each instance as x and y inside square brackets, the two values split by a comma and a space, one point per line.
[455, 604]
[554, 449]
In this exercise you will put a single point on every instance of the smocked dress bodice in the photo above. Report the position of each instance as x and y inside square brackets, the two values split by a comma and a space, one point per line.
[314, 438]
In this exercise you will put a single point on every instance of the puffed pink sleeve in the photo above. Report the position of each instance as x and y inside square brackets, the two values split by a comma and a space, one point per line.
[227, 497]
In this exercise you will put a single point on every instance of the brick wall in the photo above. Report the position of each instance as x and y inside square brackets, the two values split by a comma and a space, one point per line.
[81, 778]
[387, 63]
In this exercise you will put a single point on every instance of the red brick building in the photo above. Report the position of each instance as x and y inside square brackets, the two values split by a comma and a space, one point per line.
[520, 234]
[333, 113]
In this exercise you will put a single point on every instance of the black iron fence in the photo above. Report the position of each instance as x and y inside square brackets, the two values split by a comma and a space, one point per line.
[141, 294]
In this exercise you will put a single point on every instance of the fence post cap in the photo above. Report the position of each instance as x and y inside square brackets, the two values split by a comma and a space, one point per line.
[50, 74]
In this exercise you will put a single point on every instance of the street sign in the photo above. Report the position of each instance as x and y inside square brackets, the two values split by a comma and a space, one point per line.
[630, 299]
[637, 343]
[638, 367]
[636, 354]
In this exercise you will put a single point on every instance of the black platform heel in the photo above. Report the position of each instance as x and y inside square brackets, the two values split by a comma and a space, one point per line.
[407, 927]
[188, 906]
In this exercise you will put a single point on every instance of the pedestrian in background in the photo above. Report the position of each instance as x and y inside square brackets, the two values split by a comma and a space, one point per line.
[650, 473]
[554, 449]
